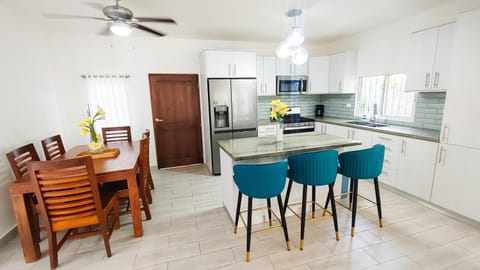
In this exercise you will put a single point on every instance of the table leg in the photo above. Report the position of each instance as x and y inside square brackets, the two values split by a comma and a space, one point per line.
[24, 215]
[135, 205]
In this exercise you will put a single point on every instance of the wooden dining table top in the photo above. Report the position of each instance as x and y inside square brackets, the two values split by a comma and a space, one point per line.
[127, 160]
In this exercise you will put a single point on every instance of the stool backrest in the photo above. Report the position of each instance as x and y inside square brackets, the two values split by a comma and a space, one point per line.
[362, 164]
[316, 168]
[261, 180]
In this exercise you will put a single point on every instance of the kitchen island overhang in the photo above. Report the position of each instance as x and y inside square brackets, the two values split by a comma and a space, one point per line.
[266, 150]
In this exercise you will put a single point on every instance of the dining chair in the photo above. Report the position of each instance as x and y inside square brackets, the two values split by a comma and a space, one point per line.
[260, 181]
[117, 134]
[69, 198]
[361, 165]
[53, 147]
[151, 185]
[142, 179]
[312, 169]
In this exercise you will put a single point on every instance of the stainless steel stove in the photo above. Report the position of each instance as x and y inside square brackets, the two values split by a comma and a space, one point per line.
[294, 123]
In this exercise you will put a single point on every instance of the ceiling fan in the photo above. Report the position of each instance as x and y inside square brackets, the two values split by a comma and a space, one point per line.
[121, 19]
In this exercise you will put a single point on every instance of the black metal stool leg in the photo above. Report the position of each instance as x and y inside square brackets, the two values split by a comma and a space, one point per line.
[249, 227]
[269, 207]
[302, 225]
[350, 194]
[379, 204]
[334, 211]
[237, 214]
[354, 209]
[313, 201]
[284, 221]
[287, 196]
[326, 204]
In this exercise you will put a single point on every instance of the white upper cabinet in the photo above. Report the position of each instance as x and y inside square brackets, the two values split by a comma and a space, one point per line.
[318, 69]
[460, 118]
[286, 67]
[266, 72]
[230, 64]
[342, 72]
[430, 56]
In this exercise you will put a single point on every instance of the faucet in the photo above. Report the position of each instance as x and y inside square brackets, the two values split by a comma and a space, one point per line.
[373, 118]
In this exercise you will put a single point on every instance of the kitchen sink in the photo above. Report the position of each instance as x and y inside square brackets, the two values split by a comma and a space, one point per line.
[366, 124]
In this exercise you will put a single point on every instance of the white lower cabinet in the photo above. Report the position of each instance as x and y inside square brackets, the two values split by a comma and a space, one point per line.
[456, 183]
[267, 130]
[416, 167]
[392, 153]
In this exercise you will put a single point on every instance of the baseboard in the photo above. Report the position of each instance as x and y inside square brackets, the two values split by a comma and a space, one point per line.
[8, 236]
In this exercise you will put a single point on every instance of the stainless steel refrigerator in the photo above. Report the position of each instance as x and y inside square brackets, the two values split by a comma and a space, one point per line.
[233, 112]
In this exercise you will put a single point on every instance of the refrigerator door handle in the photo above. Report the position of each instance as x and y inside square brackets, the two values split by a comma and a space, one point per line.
[244, 129]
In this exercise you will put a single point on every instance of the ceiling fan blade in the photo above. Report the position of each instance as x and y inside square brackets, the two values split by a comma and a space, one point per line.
[63, 16]
[151, 19]
[144, 28]
[94, 5]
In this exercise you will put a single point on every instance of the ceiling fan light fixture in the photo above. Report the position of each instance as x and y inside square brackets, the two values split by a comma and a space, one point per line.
[299, 56]
[121, 29]
[284, 50]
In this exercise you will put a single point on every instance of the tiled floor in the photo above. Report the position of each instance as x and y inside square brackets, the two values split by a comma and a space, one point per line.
[190, 230]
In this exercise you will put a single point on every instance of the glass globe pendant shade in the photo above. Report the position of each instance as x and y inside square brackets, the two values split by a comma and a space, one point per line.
[299, 56]
[284, 50]
[120, 29]
[296, 36]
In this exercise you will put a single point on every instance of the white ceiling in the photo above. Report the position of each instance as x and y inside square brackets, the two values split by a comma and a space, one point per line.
[248, 20]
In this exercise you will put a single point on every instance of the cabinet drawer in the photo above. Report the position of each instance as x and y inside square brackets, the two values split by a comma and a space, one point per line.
[269, 130]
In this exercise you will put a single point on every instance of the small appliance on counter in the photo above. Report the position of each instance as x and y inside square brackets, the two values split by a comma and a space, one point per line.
[319, 109]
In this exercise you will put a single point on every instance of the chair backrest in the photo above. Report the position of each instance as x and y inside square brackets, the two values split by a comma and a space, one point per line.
[53, 147]
[144, 162]
[117, 134]
[67, 192]
[362, 164]
[315, 168]
[261, 180]
[146, 134]
[19, 157]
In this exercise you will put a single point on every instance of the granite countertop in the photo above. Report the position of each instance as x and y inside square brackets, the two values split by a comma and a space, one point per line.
[410, 132]
[265, 147]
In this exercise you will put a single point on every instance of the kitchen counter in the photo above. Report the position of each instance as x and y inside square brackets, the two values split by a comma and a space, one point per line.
[267, 147]
[410, 132]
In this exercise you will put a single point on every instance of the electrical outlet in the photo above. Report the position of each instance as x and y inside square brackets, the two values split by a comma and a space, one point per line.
[348, 105]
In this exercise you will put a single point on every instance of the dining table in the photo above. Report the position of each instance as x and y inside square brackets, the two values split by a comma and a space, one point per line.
[123, 166]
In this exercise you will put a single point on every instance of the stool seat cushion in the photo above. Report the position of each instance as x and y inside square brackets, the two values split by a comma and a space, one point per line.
[261, 181]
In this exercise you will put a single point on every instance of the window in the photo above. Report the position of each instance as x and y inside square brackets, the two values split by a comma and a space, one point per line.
[110, 92]
[388, 92]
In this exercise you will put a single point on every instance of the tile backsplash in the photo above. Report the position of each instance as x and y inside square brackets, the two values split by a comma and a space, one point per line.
[428, 109]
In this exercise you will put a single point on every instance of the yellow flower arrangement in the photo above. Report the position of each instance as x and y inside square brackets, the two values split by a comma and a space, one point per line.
[279, 110]
[88, 127]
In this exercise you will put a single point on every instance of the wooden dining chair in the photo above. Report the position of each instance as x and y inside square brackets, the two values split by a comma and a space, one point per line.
[150, 183]
[69, 198]
[53, 147]
[142, 179]
[117, 134]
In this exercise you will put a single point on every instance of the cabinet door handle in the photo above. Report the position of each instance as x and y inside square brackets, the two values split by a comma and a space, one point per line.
[339, 85]
[427, 79]
[353, 134]
[229, 69]
[385, 138]
[441, 158]
[435, 81]
[445, 134]
[265, 88]
[403, 149]
[348, 133]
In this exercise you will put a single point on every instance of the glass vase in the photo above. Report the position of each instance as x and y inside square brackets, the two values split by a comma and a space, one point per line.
[279, 137]
[96, 147]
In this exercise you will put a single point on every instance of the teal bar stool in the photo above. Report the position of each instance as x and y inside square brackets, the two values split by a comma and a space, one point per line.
[313, 169]
[359, 165]
[260, 181]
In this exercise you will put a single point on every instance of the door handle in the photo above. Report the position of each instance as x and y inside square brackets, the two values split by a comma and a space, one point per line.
[427, 79]
[445, 134]
[157, 120]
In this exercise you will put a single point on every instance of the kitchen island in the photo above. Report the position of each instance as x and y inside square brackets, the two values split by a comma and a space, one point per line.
[266, 150]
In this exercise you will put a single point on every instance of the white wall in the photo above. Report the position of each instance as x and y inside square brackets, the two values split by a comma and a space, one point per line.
[28, 104]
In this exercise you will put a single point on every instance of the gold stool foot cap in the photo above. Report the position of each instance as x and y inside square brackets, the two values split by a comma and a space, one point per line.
[353, 231]
[337, 235]
[350, 206]
[301, 244]
[288, 245]
[380, 221]
[248, 256]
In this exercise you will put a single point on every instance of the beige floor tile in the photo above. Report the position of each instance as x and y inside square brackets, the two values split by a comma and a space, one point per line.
[262, 263]
[354, 260]
[396, 248]
[205, 261]
[469, 264]
[297, 257]
[441, 235]
[441, 257]
[403, 263]
[159, 256]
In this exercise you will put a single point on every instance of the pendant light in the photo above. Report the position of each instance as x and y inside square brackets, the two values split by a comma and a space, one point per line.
[291, 46]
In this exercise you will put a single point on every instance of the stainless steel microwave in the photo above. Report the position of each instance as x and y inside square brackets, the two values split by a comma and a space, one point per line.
[291, 84]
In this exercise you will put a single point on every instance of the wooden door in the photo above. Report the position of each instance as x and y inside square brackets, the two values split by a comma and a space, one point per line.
[176, 119]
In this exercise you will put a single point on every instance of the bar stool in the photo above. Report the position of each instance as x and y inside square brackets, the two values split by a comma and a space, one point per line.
[260, 181]
[313, 169]
[362, 164]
